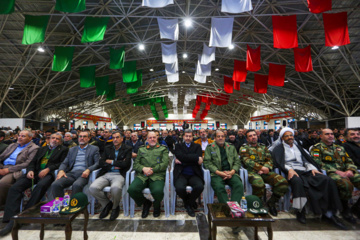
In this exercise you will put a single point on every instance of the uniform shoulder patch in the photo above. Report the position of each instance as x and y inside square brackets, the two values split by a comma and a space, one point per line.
[243, 149]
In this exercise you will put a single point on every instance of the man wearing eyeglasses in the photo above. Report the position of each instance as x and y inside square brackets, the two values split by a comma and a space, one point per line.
[75, 169]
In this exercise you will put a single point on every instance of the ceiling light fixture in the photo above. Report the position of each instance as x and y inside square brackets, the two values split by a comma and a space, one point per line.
[335, 47]
[216, 69]
[183, 72]
[286, 81]
[151, 70]
[41, 49]
[141, 46]
[185, 55]
[188, 22]
[10, 88]
[231, 46]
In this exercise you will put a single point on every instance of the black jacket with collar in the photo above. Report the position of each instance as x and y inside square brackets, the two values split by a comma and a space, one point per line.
[354, 152]
[188, 156]
[54, 161]
[123, 160]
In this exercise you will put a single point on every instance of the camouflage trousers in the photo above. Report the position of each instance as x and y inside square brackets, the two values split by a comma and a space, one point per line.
[277, 182]
[346, 186]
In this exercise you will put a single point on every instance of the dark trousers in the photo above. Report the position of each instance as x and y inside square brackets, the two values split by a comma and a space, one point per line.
[189, 180]
[73, 179]
[156, 189]
[15, 194]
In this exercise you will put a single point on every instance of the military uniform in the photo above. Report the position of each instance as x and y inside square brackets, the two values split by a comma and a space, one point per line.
[224, 159]
[157, 158]
[254, 158]
[332, 158]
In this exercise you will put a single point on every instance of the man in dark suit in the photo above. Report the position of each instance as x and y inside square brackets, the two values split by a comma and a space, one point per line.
[271, 138]
[187, 171]
[134, 144]
[75, 169]
[41, 171]
[114, 163]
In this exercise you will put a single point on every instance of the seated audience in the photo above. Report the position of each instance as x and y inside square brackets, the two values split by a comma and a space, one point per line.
[204, 141]
[352, 145]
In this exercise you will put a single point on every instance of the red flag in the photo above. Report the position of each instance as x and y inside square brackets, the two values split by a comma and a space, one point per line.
[260, 83]
[237, 86]
[239, 74]
[228, 84]
[253, 59]
[276, 75]
[207, 107]
[221, 99]
[303, 62]
[319, 6]
[336, 29]
[285, 31]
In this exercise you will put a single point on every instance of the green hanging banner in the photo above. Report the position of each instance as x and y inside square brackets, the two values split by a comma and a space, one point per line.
[34, 30]
[87, 76]
[132, 87]
[102, 85]
[111, 93]
[129, 73]
[70, 6]
[7, 6]
[117, 58]
[94, 29]
[63, 59]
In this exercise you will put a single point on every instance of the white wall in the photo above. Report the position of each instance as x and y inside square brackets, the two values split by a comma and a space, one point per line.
[13, 122]
[352, 122]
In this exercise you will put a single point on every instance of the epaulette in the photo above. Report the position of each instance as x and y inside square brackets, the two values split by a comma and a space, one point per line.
[316, 145]
[245, 144]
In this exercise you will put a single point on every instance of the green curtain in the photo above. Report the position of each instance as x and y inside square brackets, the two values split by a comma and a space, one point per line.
[7, 6]
[34, 30]
[111, 93]
[117, 58]
[63, 59]
[94, 29]
[129, 73]
[71, 6]
[87, 76]
[102, 85]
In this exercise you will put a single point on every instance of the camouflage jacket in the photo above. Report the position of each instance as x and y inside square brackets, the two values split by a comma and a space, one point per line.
[156, 157]
[254, 158]
[332, 158]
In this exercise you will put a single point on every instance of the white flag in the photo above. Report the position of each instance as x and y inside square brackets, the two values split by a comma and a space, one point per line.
[221, 32]
[173, 78]
[169, 28]
[208, 54]
[236, 6]
[169, 54]
[200, 78]
[156, 3]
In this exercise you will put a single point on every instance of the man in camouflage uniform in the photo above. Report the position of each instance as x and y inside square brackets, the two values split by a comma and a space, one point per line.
[150, 166]
[257, 160]
[339, 166]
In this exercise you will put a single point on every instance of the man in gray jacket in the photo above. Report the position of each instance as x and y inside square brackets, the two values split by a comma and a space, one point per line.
[75, 169]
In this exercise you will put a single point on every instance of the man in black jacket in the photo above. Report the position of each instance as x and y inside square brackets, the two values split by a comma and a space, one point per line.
[232, 139]
[352, 144]
[114, 163]
[41, 171]
[134, 144]
[168, 140]
[187, 171]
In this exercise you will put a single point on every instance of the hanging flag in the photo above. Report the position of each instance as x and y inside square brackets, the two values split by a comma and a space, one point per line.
[221, 32]
[336, 29]
[260, 83]
[208, 54]
[171, 78]
[228, 84]
[7, 6]
[236, 6]
[253, 59]
[276, 75]
[200, 78]
[132, 87]
[169, 28]
[171, 68]
[302, 58]
[203, 69]
[169, 54]
[111, 93]
[285, 31]
[156, 3]
[117, 58]
[34, 30]
[62, 59]
[129, 72]
[240, 72]
[221, 99]
[319, 6]
[102, 85]
[70, 6]
[94, 29]
[87, 76]
[237, 86]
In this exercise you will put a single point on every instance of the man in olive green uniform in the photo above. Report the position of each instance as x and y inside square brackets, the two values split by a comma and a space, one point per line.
[223, 162]
[150, 166]
[257, 160]
[339, 166]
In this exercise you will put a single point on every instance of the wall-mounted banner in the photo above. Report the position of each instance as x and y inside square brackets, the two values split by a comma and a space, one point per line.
[273, 116]
[93, 118]
[149, 122]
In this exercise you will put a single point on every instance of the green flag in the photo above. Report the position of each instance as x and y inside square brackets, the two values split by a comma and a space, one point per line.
[132, 87]
[71, 6]
[7, 6]
[129, 73]
[87, 76]
[34, 30]
[117, 58]
[111, 94]
[102, 85]
[94, 29]
[63, 59]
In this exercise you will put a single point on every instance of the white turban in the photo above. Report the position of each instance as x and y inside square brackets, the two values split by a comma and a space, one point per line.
[284, 130]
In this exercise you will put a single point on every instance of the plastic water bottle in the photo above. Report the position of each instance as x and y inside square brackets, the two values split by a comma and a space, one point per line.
[66, 200]
[57, 205]
[243, 204]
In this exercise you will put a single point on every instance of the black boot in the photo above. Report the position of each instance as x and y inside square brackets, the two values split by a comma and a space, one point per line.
[156, 212]
[189, 210]
[7, 229]
[146, 207]
[355, 209]
[271, 205]
[346, 213]
[106, 210]
[300, 216]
